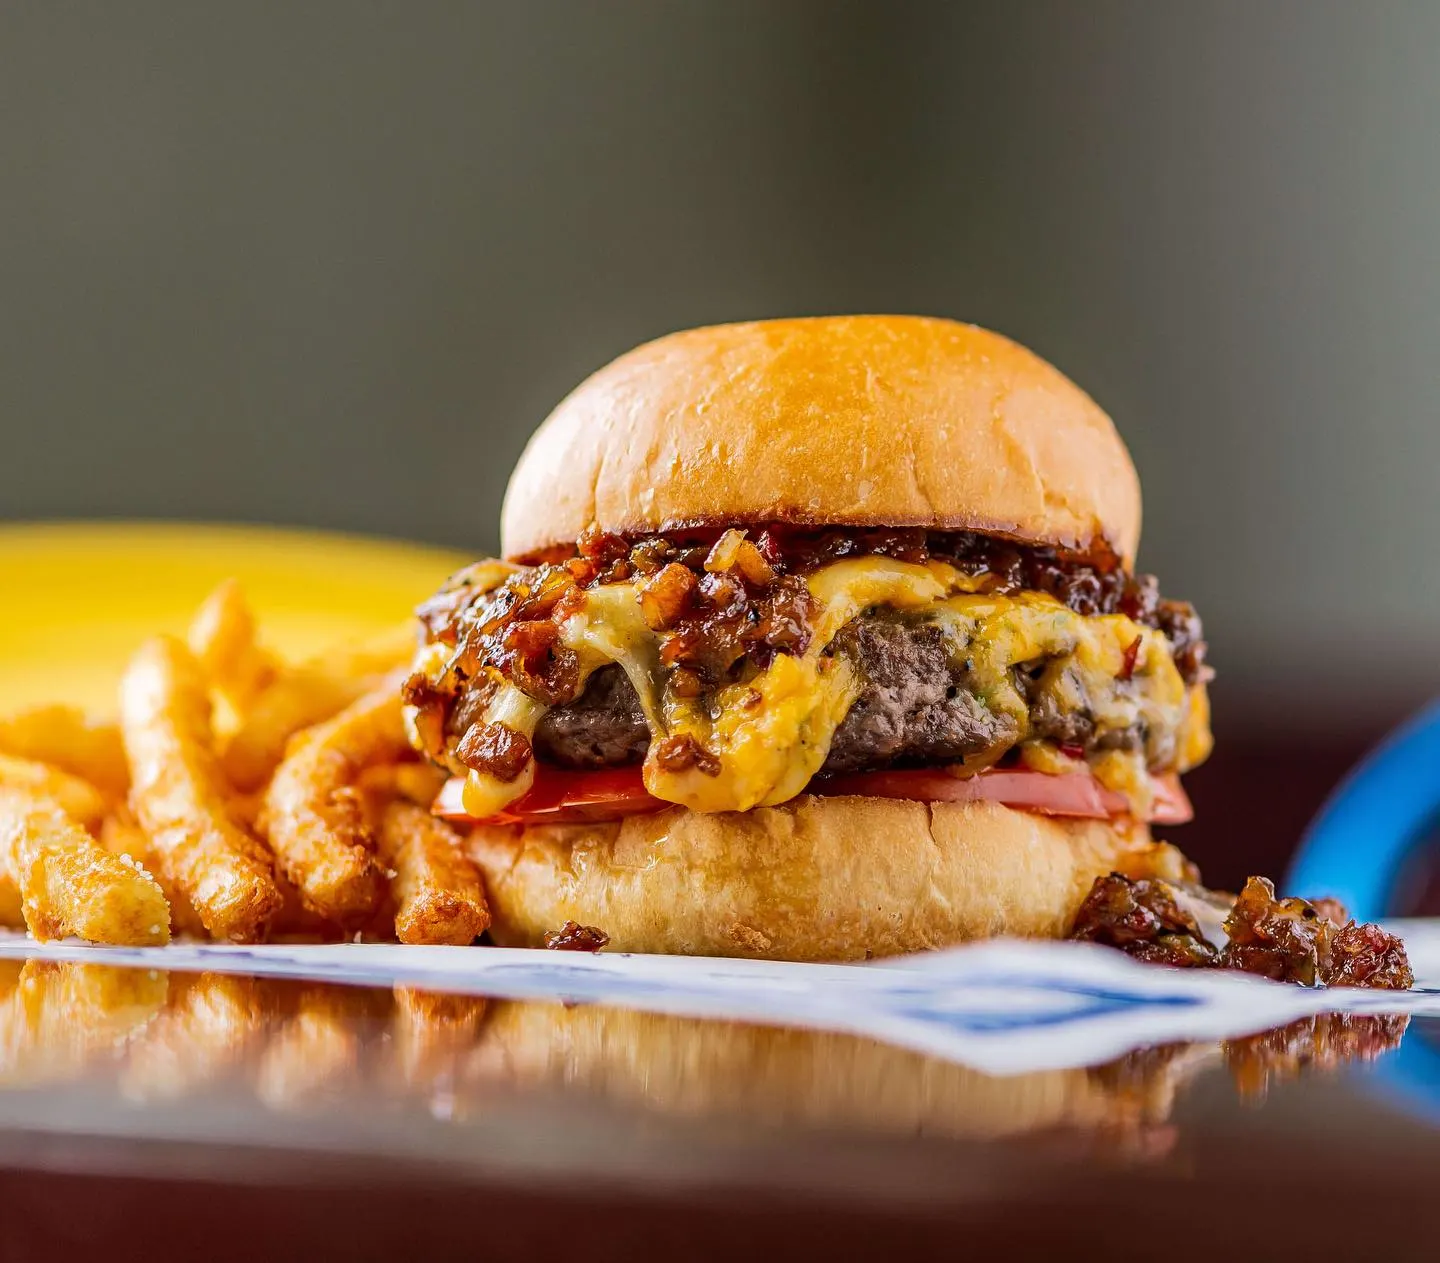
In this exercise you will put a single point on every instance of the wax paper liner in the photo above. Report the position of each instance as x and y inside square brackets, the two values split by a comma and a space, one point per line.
[1005, 1007]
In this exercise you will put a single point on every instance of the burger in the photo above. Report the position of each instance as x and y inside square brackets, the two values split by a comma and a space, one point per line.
[813, 639]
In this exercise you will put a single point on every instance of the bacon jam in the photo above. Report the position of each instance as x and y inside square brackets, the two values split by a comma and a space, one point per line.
[1089, 583]
[1143, 919]
[1288, 940]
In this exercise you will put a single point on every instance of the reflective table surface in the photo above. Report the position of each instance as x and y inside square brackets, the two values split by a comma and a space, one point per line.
[167, 1114]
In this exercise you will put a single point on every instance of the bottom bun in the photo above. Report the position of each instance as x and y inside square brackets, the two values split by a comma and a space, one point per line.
[840, 878]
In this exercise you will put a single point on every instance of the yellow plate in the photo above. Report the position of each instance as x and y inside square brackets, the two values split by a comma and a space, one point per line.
[76, 599]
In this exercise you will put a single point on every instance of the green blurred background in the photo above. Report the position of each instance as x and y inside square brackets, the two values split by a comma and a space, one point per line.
[329, 263]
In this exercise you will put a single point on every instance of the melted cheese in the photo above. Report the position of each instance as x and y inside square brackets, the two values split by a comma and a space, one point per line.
[771, 732]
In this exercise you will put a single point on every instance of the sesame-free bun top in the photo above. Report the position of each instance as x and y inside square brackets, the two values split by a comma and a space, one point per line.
[834, 420]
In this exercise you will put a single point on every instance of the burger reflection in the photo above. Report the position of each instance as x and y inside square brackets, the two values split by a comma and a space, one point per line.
[150, 1037]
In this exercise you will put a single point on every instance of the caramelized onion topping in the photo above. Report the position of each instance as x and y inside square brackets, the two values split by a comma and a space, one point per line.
[1323, 1042]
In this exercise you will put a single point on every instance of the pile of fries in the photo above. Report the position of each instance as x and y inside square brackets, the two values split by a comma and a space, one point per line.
[238, 798]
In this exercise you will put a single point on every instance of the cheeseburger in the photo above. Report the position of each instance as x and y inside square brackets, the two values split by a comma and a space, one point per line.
[813, 639]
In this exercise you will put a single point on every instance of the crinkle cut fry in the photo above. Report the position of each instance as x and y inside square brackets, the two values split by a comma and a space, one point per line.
[70, 885]
[315, 813]
[180, 798]
[439, 896]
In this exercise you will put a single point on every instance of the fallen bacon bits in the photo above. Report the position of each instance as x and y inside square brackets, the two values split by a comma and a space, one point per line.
[574, 937]
[1284, 939]
[1142, 919]
[1324, 1042]
[1288, 940]
[1367, 956]
[1291, 941]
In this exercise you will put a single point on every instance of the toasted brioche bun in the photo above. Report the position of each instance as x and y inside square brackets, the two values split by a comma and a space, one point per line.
[834, 878]
[845, 420]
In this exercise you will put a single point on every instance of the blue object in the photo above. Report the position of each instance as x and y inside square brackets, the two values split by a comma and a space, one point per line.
[1384, 812]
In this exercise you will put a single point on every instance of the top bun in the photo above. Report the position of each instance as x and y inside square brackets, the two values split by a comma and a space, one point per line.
[836, 420]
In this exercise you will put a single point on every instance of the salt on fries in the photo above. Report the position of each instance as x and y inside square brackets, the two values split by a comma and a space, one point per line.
[295, 807]
[69, 884]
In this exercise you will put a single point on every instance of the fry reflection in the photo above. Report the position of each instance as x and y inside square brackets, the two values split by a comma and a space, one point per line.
[315, 1048]
[211, 1022]
[296, 1047]
[434, 1035]
[58, 1019]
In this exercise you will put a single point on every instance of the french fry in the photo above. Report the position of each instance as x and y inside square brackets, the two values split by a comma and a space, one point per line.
[439, 897]
[67, 738]
[179, 795]
[222, 638]
[10, 974]
[379, 654]
[69, 884]
[78, 799]
[315, 815]
[120, 835]
[300, 697]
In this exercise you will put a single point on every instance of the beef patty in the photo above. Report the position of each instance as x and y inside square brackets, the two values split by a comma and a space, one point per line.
[916, 706]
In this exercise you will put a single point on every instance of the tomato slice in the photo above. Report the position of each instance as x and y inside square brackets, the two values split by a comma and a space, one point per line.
[1075, 794]
[559, 796]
